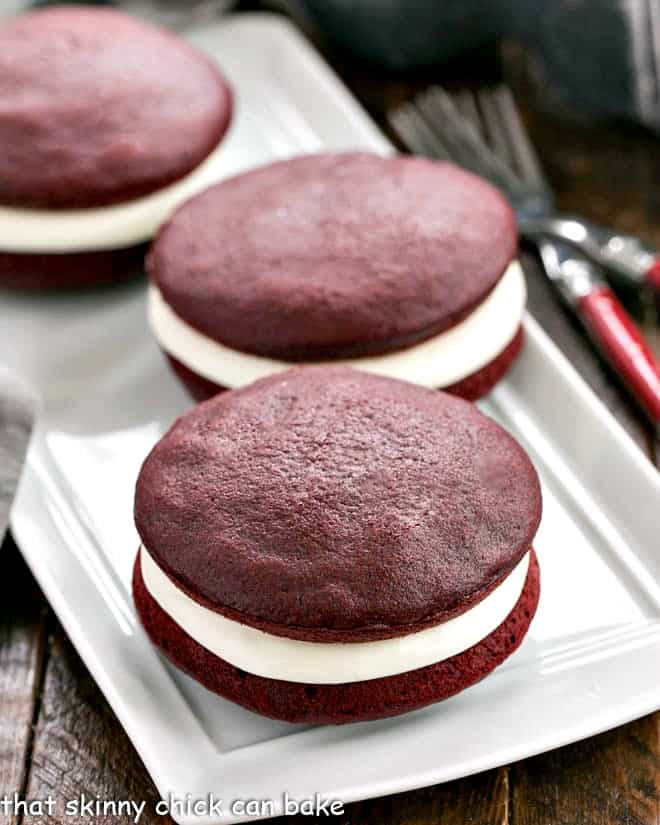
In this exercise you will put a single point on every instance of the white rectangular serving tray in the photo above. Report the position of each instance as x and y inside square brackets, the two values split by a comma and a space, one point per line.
[592, 657]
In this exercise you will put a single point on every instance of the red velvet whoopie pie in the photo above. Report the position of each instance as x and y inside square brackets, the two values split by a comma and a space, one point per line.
[99, 110]
[400, 266]
[330, 546]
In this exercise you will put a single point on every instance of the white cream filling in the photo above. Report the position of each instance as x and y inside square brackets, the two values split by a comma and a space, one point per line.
[59, 231]
[323, 663]
[437, 362]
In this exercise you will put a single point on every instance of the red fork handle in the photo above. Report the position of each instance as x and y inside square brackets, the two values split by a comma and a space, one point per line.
[621, 343]
[652, 275]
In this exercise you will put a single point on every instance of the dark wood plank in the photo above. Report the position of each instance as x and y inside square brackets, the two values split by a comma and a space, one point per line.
[80, 747]
[603, 169]
[22, 656]
[613, 778]
[482, 799]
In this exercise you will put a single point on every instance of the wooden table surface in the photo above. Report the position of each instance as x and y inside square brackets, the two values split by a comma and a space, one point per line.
[57, 733]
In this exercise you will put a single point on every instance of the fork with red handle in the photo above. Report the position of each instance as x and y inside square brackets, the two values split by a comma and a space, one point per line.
[483, 132]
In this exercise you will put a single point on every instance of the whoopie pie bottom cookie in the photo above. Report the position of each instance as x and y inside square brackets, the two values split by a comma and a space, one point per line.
[471, 388]
[70, 270]
[339, 703]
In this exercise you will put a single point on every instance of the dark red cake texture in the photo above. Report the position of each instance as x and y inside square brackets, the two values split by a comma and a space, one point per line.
[100, 108]
[334, 255]
[327, 504]
[342, 703]
[71, 271]
[472, 387]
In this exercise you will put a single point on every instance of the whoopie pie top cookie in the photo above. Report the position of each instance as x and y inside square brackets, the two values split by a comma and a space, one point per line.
[334, 255]
[327, 504]
[99, 108]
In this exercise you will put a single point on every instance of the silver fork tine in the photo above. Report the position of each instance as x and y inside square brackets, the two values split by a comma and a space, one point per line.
[495, 128]
[467, 106]
[439, 112]
[525, 157]
[416, 133]
[464, 143]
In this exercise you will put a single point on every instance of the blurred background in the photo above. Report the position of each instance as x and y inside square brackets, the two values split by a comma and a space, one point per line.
[583, 74]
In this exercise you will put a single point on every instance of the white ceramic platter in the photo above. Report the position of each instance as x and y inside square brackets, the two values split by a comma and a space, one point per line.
[592, 657]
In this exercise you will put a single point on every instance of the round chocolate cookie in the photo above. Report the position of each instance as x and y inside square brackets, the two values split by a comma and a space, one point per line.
[328, 505]
[334, 255]
[99, 108]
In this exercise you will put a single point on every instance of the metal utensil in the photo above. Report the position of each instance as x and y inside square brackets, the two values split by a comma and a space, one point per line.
[483, 132]
[18, 408]
[463, 122]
